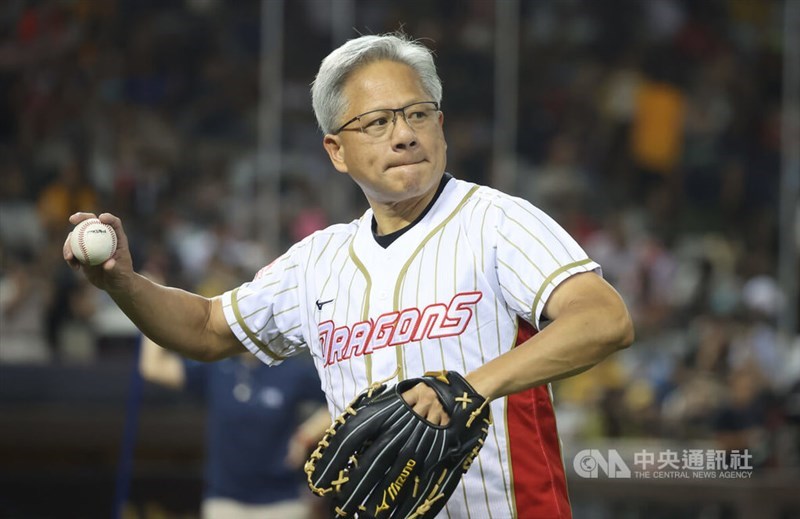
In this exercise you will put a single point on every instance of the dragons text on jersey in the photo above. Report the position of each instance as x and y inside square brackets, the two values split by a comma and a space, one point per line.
[396, 328]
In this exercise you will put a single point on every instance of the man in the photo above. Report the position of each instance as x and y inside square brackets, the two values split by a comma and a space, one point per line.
[437, 274]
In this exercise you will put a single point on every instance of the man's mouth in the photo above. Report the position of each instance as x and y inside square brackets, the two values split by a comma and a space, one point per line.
[401, 164]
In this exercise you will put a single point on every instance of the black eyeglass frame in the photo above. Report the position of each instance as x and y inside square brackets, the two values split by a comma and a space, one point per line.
[394, 116]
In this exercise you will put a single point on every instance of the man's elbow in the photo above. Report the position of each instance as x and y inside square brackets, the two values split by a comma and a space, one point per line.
[217, 347]
[206, 353]
[623, 332]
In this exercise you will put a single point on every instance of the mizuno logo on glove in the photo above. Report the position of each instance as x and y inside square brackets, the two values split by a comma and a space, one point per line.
[395, 486]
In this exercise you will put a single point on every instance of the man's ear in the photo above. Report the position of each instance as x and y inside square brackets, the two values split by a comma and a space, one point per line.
[333, 145]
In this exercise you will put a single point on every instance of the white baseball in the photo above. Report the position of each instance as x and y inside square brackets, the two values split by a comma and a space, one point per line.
[93, 242]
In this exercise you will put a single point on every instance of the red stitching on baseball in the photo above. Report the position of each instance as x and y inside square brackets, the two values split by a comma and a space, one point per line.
[81, 242]
[113, 240]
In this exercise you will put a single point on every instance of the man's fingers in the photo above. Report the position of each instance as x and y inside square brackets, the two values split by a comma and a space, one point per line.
[433, 415]
[67, 249]
[69, 257]
[436, 415]
[77, 218]
[116, 223]
[424, 402]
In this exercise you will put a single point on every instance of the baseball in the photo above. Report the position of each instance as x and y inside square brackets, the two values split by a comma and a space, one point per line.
[93, 242]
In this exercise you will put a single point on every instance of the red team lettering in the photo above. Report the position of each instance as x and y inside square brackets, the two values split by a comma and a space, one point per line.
[395, 328]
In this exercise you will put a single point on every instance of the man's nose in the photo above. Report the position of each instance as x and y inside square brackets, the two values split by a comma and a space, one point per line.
[403, 135]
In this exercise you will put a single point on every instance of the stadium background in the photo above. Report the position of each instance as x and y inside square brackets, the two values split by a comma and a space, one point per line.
[654, 131]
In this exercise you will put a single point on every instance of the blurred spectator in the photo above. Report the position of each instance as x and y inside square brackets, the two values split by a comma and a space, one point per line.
[24, 295]
[20, 227]
[253, 413]
[68, 193]
[68, 317]
[747, 416]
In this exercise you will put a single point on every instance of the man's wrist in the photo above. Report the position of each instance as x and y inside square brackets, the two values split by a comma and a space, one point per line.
[126, 288]
[482, 384]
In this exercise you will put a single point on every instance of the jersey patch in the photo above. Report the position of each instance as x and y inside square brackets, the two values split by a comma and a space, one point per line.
[396, 328]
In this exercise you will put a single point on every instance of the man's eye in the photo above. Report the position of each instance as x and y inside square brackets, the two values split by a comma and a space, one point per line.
[380, 121]
[418, 116]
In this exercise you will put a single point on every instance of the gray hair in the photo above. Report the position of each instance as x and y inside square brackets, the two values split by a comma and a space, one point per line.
[326, 92]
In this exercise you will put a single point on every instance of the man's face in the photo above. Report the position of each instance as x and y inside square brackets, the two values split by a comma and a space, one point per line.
[402, 165]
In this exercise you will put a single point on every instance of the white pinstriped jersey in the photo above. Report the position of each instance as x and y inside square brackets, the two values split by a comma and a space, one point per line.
[465, 284]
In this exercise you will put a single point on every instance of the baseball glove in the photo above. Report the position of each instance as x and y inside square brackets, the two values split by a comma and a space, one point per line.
[380, 459]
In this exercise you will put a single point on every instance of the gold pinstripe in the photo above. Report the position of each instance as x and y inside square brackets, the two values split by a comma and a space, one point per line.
[455, 291]
[464, 364]
[325, 376]
[331, 272]
[254, 312]
[529, 233]
[289, 289]
[322, 252]
[546, 226]
[266, 323]
[272, 271]
[552, 276]
[403, 271]
[250, 335]
[520, 300]
[347, 313]
[436, 294]
[286, 310]
[365, 309]
[505, 411]
[483, 249]
[509, 491]
[512, 495]
[483, 361]
[524, 254]
[512, 269]
[508, 439]
[466, 501]
[477, 317]
[335, 303]
[416, 302]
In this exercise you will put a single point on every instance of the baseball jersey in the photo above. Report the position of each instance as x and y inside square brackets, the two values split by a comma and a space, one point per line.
[462, 285]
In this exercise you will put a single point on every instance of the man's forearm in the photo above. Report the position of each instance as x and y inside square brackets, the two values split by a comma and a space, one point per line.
[176, 319]
[568, 346]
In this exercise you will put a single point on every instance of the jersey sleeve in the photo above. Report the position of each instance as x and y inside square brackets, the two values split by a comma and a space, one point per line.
[534, 255]
[263, 313]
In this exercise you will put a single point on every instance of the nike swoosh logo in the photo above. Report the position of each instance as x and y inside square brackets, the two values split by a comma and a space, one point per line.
[320, 304]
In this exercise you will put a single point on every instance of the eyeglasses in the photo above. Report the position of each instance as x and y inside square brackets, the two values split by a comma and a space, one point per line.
[376, 123]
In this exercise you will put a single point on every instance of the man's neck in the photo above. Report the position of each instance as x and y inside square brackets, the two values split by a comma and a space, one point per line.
[395, 216]
[392, 218]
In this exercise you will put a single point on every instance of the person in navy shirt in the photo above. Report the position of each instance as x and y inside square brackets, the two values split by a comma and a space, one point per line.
[254, 433]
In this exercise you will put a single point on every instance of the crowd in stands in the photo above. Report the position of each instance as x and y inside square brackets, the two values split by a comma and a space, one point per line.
[650, 130]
